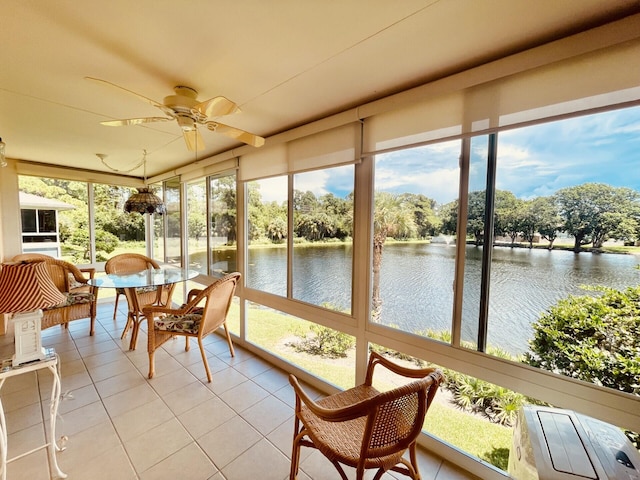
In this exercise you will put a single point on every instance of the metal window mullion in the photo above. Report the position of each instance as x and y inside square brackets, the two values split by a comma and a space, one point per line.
[487, 243]
[92, 223]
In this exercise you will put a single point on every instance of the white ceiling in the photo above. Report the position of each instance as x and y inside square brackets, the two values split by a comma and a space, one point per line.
[285, 62]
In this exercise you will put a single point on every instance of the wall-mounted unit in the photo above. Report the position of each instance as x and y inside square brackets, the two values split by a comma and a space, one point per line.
[555, 444]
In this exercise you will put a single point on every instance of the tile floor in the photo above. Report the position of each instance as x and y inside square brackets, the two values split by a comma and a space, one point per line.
[121, 425]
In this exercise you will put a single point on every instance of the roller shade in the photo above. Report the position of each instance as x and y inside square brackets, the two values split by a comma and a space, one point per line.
[337, 146]
[577, 84]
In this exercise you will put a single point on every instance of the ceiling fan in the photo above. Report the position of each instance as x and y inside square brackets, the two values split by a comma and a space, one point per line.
[185, 108]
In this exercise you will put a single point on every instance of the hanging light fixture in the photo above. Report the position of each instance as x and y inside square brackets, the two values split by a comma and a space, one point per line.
[145, 201]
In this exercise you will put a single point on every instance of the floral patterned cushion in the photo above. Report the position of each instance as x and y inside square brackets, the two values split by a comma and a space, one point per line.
[188, 323]
[73, 283]
[75, 298]
[146, 289]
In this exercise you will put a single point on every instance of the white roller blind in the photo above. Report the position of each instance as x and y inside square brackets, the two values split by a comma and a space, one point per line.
[264, 162]
[605, 77]
[336, 146]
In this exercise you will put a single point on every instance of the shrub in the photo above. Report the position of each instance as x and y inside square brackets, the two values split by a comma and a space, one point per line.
[595, 339]
[324, 342]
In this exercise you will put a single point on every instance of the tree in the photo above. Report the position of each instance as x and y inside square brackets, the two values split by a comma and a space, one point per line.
[595, 339]
[392, 218]
[475, 215]
[540, 215]
[592, 211]
[508, 214]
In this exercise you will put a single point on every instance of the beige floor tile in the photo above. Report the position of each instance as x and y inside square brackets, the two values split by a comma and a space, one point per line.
[119, 383]
[269, 413]
[129, 399]
[156, 444]
[97, 348]
[206, 416]
[252, 367]
[451, 472]
[31, 467]
[77, 398]
[253, 463]
[80, 419]
[170, 381]
[84, 447]
[112, 463]
[21, 418]
[12, 400]
[226, 442]
[25, 440]
[141, 419]
[243, 396]
[189, 459]
[188, 397]
[272, 380]
[225, 380]
[111, 369]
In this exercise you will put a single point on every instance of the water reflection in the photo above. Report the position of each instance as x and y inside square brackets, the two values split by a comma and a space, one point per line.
[417, 284]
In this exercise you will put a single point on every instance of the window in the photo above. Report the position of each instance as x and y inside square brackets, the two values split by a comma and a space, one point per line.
[565, 214]
[323, 248]
[173, 242]
[267, 235]
[414, 239]
[197, 226]
[223, 234]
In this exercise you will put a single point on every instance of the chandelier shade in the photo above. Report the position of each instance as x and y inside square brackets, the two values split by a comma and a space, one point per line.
[25, 287]
[144, 202]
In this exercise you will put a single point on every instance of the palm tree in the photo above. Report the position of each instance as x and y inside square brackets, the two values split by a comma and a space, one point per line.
[392, 218]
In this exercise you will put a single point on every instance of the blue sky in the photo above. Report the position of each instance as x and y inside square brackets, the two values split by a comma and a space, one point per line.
[532, 161]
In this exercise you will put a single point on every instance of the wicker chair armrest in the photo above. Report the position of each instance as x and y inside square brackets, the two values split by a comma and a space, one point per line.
[88, 270]
[377, 359]
[193, 293]
[341, 414]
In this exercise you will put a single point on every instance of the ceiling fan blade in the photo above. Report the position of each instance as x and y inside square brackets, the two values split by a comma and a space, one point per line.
[193, 139]
[246, 137]
[134, 121]
[217, 106]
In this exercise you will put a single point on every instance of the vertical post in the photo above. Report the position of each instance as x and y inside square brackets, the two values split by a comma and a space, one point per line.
[487, 243]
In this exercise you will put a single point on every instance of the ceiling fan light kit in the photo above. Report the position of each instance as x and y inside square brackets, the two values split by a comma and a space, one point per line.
[185, 108]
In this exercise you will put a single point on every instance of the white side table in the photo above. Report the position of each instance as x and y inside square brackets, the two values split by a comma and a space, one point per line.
[6, 371]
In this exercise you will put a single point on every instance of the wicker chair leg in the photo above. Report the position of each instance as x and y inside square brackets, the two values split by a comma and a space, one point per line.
[226, 331]
[204, 359]
[413, 466]
[115, 308]
[152, 364]
[295, 452]
[127, 327]
[187, 343]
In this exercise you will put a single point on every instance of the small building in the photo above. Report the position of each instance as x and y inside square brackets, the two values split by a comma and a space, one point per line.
[40, 228]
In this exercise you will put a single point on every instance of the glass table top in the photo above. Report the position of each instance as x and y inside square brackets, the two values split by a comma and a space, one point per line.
[145, 278]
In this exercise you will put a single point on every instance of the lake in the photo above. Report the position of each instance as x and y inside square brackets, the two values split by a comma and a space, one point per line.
[417, 284]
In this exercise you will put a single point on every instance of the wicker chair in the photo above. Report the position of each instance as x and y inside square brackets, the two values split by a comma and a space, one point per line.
[364, 428]
[71, 281]
[190, 320]
[139, 297]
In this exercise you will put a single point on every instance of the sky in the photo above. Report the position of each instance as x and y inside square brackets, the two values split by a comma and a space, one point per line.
[532, 161]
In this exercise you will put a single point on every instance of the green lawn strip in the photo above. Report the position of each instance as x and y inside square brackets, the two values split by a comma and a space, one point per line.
[472, 434]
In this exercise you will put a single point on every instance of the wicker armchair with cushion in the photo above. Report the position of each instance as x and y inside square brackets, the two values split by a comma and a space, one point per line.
[192, 319]
[364, 428]
[140, 297]
[71, 281]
